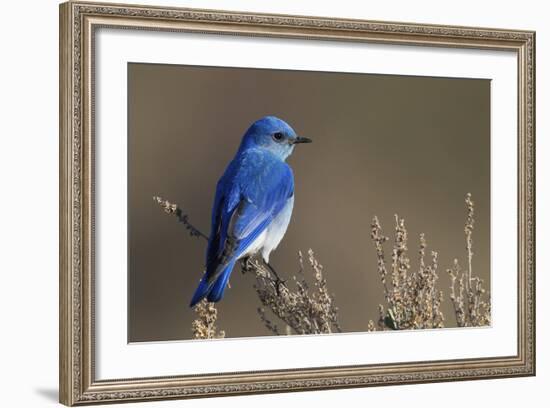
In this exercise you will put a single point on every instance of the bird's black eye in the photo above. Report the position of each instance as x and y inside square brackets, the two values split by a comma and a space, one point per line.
[278, 136]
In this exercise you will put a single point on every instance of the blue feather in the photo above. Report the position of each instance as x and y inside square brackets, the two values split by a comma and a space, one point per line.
[216, 293]
[200, 293]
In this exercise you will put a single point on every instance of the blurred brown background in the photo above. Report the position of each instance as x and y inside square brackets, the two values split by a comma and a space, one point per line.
[382, 145]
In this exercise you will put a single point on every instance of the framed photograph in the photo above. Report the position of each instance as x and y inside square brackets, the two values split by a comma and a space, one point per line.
[256, 203]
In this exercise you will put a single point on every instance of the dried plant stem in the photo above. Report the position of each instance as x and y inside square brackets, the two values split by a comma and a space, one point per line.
[204, 326]
[468, 230]
[471, 303]
[174, 209]
[412, 299]
[303, 311]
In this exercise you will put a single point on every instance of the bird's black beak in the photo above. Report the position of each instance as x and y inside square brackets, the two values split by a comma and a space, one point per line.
[300, 139]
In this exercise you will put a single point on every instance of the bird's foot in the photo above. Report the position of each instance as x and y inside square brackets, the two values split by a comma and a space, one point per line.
[247, 264]
[278, 283]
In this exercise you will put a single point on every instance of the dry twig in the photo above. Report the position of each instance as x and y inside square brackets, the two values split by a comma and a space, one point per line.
[412, 301]
[204, 326]
[472, 304]
[174, 209]
[303, 311]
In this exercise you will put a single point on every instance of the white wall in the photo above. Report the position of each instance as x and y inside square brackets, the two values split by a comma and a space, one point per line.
[28, 204]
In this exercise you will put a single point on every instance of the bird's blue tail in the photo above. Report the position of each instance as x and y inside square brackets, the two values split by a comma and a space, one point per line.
[200, 292]
[214, 291]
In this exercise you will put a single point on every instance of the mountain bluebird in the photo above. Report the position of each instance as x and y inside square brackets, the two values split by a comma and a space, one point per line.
[253, 203]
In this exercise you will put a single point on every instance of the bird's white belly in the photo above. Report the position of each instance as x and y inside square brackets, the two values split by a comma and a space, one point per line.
[270, 238]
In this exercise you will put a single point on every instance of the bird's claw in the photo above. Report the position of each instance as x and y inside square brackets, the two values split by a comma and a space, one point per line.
[246, 265]
[278, 284]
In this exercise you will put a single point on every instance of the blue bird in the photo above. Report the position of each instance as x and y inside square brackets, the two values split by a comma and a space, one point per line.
[253, 203]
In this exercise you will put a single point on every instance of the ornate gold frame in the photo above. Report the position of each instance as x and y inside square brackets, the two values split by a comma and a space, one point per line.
[78, 22]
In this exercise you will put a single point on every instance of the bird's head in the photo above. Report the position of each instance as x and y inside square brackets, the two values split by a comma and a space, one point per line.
[273, 134]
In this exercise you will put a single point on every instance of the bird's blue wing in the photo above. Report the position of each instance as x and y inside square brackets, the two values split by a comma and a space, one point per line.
[252, 192]
[218, 209]
[222, 209]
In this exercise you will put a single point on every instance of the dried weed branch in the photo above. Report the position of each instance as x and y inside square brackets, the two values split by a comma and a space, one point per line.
[471, 302]
[411, 297]
[412, 300]
[204, 326]
[174, 209]
[303, 311]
